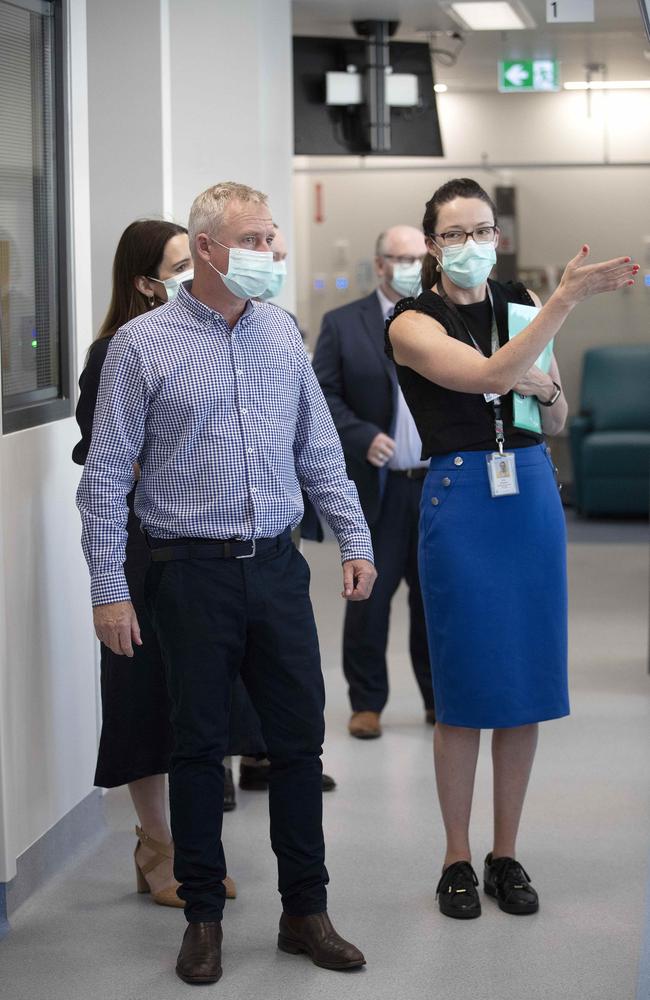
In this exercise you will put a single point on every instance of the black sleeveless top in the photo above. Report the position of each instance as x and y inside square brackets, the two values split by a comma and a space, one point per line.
[459, 421]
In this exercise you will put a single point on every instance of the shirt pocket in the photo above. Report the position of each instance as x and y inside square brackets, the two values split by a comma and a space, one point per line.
[275, 389]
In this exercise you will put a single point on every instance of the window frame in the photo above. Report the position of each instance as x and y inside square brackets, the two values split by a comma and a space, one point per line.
[37, 407]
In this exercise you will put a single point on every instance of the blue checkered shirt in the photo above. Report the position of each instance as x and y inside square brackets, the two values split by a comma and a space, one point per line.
[227, 426]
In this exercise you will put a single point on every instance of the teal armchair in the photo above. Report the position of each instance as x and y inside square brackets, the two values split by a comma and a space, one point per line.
[610, 438]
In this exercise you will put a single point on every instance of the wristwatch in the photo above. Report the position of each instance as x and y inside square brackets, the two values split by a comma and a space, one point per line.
[554, 398]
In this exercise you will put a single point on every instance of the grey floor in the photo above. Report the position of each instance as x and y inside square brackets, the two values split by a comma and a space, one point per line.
[585, 841]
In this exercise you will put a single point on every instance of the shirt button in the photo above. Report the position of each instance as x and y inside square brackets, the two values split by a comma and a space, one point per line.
[244, 413]
[250, 451]
[458, 460]
[240, 371]
[446, 481]
[435, 501]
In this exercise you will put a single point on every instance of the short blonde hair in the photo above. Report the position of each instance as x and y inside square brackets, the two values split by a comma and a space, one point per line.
[208, 207]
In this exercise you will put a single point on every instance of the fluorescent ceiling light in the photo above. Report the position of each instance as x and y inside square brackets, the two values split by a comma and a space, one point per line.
[440, 88]
[489, 15]
[607, 85]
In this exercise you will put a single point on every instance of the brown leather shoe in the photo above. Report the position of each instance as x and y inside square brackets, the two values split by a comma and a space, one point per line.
[199, 960]
[364, 725]
[315, 936]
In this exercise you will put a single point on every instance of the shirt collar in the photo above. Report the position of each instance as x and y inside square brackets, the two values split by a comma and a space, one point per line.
[385, 303]
[199, 309]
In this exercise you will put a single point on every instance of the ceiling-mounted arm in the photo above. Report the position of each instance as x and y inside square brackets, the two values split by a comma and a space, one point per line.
[378, 61]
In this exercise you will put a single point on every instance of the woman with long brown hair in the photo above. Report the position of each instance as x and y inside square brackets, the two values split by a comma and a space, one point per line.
[151, 260]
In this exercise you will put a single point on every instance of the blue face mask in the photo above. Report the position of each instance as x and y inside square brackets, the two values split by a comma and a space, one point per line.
[470, 264]
[173, 284]
[276, 281]
[249, 271]
[406, 278]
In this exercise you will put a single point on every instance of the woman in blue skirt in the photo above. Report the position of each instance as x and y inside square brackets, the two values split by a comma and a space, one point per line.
[492, 534]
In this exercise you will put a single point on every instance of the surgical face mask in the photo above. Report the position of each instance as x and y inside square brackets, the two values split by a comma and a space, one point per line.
[276, 281]
[468, 265]
[249, 271]
[406, 278]
[173, 284]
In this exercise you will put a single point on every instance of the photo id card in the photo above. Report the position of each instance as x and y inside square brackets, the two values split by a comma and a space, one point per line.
[502, 473]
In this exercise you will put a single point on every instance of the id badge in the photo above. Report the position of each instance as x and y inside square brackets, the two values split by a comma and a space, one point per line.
[489, 397]
[502, 473]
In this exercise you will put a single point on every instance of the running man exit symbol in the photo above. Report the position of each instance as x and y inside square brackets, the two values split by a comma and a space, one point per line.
[526, 75]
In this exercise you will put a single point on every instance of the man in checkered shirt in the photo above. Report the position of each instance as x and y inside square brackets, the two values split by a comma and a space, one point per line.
[213, 396]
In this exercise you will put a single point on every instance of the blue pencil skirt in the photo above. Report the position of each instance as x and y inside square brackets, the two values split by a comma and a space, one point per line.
[493, 577]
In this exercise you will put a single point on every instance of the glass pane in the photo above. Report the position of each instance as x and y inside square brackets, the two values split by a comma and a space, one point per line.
[29, 327]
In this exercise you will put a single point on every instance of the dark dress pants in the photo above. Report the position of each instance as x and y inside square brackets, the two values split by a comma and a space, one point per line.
[365, 632]
[136, 738]
[215, 618]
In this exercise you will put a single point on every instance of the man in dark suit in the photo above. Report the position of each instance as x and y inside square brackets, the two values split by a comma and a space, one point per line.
[382, 451]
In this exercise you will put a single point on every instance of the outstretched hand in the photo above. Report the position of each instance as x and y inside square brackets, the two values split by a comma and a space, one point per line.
[581, 280]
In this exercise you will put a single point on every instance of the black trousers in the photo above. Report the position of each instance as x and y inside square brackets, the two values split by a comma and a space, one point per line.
[215, 618]
[136, 739]
[365, 632]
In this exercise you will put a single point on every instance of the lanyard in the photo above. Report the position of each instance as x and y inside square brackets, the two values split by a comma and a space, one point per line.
[490, 397]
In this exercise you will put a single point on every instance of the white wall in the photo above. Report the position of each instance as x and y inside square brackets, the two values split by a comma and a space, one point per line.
[198, 94]
[529, 141]
[232, 100]
[125, 130]
[47, 656]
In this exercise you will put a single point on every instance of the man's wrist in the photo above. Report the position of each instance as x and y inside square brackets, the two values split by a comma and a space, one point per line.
[110, 588]
[351, 552]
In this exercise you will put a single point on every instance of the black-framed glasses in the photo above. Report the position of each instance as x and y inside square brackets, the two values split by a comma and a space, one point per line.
[457, 237]
[403, 258]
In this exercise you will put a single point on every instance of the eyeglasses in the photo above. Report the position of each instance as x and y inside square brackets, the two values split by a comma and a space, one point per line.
[403, 259]
[457, 237]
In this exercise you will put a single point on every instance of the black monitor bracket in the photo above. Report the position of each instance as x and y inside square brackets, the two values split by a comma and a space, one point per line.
[377, 33]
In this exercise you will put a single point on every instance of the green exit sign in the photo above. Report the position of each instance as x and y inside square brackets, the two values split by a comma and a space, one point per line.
[528, 75]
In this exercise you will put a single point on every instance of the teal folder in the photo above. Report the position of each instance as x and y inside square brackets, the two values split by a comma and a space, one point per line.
[526, 408]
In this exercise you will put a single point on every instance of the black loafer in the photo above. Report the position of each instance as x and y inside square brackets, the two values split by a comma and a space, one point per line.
[255, 778]
[457, 895]
[229, 799]
[509, 883]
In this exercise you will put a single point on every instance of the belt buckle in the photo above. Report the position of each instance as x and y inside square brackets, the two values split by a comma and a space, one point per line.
[250, 554]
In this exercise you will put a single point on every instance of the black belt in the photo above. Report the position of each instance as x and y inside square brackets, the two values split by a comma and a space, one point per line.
[168, 549]
[419, 472]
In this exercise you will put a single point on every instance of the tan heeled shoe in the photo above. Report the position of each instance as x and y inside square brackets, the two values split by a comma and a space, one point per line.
[164, 852]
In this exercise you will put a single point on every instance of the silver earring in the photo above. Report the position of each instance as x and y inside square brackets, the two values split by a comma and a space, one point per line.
[152, 302]
[438, 267]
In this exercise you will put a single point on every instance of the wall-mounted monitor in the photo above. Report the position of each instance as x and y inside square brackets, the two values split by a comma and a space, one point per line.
[332, 70]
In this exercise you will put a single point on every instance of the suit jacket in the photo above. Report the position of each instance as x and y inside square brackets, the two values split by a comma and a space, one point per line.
[360, 385]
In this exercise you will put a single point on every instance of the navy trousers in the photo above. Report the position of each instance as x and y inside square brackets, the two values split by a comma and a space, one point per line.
[213, 618]
[365, 632]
